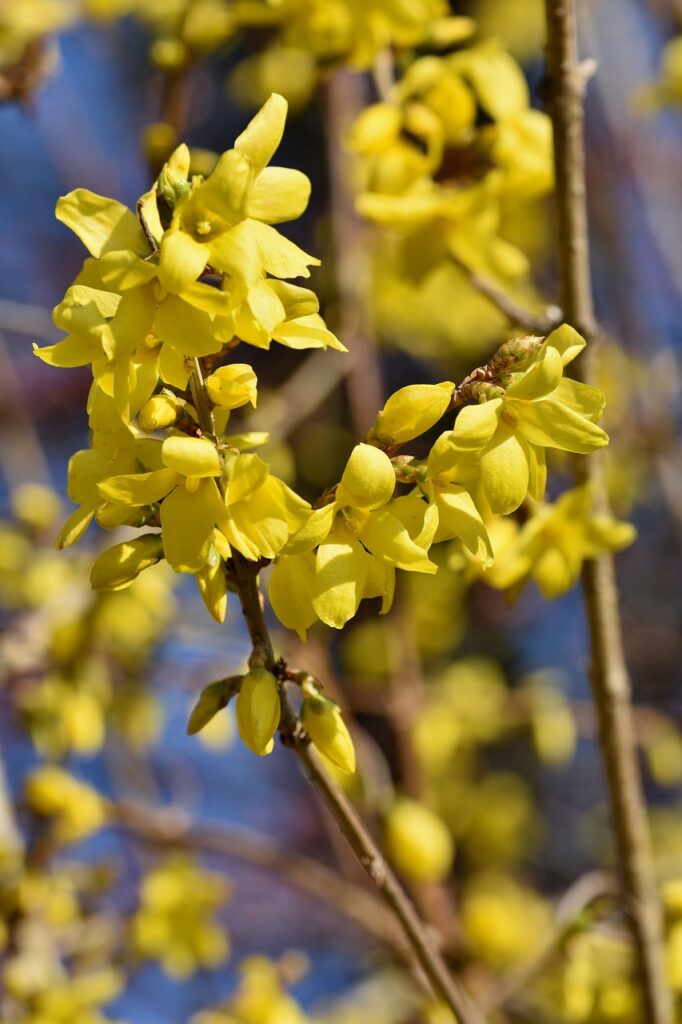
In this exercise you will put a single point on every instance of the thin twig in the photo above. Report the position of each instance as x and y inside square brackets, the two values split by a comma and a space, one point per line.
[352, 237]
[516, 314]
[172, 827]
[610, 683]
[362, 844]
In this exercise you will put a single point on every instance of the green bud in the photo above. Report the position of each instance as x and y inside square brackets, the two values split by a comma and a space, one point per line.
[213, 699]
[258, 710]
[172, 184]
[117, 567]
[327, 729]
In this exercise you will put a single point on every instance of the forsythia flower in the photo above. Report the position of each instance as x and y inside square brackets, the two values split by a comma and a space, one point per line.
[361, 537]
[175, 922]
[501, 442]
[77, 809]
[553, 543]
[417, 842]
[260, 998]
[185, 280]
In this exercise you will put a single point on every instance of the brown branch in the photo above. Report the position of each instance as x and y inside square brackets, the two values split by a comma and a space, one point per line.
[609, 677]
[352, 240]
[516, 314]
[172, 827]
[362, 844]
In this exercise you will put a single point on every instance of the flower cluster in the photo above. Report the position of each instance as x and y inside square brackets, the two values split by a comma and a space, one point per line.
[158, 311]
[429, 163]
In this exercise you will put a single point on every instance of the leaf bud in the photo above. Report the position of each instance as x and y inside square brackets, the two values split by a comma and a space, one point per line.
[213, 699]
[258, 710]
[327, 729]
[411, 411]
[418, 843]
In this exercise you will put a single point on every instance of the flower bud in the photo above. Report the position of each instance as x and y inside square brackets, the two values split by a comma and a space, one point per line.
[327, 729]
[368, 481]
[258, 710]
[117, 567]
[160, 411]
[172, 184]
[232, 386]
[417, 842]
[411, 411]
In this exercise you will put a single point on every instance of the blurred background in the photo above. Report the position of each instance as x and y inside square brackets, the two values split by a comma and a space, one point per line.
[473, 707]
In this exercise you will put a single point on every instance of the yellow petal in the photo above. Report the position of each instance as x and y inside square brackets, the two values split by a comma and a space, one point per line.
[291, 588]
[76, 350]
[263, 134]
[504, 473]
[191, 456]
[182, 260]
[123, 270]
[567, 342]
[187, 523]
[412, 410]
[278, 255]
[74, 527]
[340, 576]
[117, 567]
[551, 424]
[540, 379]
[325, 725]
[368, 481]
[459, 517]
[139, 488]
[278, 194]
[212, 584]
[388, 539]
[232, 386]
[103, 225]
[476, 424]
[187, 329]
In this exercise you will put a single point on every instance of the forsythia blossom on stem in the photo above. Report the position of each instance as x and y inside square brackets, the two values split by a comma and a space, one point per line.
[158, 310]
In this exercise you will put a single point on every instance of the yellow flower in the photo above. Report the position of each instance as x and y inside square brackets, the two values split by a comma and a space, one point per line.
[502, 441]
[361, 538]
[191, 504]
[553, 543]
[225, 221]
[417, 842]
[175, 922]
[77, 809]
